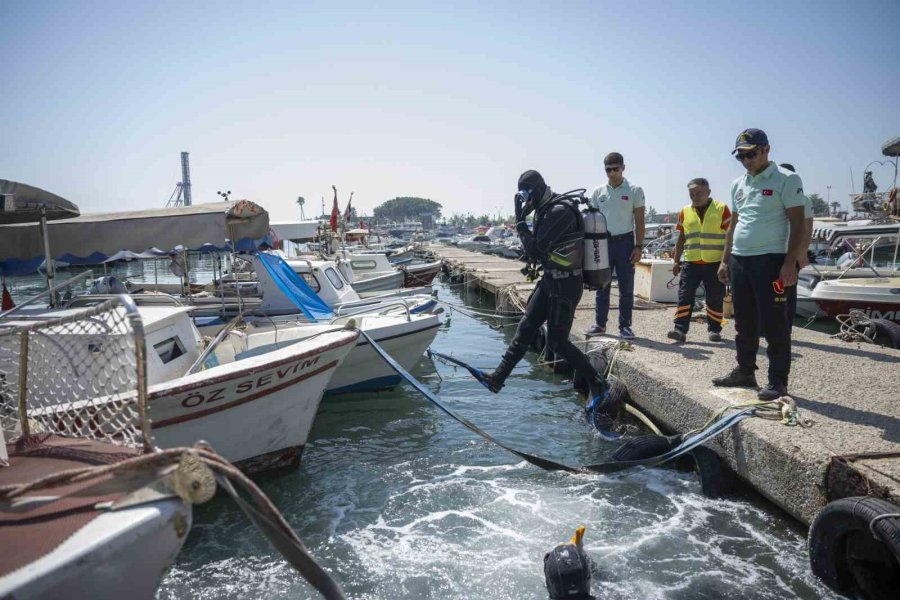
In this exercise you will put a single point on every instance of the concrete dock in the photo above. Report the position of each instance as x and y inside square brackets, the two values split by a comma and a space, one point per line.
[848, 392]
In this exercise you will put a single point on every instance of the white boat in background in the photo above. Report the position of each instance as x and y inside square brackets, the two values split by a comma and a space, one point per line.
[876, 297]
[324, 278]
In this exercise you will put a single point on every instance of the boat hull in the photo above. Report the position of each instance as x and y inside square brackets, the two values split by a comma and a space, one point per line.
[256, 412]
[878, 298]
[419, 275]
[379, 283]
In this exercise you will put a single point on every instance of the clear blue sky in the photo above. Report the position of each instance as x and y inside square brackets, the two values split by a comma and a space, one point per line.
[449, 101]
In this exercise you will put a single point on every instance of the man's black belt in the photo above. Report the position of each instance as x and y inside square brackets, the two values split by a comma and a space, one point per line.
[621, 236]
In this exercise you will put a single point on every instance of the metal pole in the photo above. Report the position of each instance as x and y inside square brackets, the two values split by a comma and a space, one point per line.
[48, 259]
[23, 384]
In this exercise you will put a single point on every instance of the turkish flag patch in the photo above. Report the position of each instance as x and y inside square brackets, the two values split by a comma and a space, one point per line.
[624, 197]
[767, 192]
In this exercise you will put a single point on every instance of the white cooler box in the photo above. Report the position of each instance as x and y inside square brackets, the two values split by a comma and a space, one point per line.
[651, 277]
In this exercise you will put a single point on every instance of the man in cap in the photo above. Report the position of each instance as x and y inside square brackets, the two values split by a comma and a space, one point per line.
[622, 203]
[701, 241]
[762, 248]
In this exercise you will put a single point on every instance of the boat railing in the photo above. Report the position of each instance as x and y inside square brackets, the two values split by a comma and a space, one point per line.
[81, 375]
[47, 293]
[379, 308]
[657, 246]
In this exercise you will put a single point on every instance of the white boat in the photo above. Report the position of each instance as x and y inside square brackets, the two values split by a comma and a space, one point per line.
[324, 278]
[405, 339]
[369, 272]
[256, 413]
[877, 297]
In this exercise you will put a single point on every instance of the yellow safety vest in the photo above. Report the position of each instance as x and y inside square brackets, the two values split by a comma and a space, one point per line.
[704, 240]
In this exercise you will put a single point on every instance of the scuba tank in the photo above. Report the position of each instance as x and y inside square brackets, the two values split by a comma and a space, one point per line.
[597, 273]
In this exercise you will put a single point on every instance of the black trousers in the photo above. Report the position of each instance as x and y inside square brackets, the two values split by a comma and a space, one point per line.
[760, 309]
[553, 301]
[692, 275]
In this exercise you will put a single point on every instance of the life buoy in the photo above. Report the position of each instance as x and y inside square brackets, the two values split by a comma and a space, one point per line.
[854, 547]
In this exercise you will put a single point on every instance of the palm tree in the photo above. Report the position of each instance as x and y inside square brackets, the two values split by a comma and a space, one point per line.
[300, 202]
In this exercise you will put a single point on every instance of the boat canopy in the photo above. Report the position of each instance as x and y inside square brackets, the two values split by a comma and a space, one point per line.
[21, 203]
[295, 231]
[832, 233]
[94, 238]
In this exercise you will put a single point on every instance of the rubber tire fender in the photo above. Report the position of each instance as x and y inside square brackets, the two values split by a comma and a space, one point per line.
[716, 478]
[645, 446]
[841, 532]
[889, 329]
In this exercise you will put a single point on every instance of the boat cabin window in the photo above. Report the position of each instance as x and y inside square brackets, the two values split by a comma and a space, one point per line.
[481, 238]
[170, 349]
[334, 278]
[362, 264]
[311, 281]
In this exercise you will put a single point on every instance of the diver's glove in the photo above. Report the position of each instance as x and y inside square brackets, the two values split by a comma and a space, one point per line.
[519, 203]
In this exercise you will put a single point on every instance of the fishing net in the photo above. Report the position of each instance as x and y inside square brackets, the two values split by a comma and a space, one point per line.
[80, 375]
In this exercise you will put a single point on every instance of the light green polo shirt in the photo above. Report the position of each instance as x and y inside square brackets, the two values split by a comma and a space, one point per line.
[807, 208]
[760, 203]
[617, 205]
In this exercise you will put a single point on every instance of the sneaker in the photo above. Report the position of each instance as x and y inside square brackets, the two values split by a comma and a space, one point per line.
[715, 336]
[594, 330]
[737, 378]
[676, 335]
[626, 333]
[772, 391]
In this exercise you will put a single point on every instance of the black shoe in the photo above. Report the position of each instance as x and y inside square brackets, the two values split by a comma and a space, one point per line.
[491, 382]
[715, 336]
[737, 378]
[772, 391]
[676, 335]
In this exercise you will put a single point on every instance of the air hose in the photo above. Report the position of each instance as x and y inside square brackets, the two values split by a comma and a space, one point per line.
[686, 445]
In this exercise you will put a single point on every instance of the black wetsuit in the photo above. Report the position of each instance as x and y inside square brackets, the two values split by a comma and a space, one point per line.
[557, 293]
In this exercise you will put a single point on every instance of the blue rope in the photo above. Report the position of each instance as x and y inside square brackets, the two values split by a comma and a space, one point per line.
[686, 445]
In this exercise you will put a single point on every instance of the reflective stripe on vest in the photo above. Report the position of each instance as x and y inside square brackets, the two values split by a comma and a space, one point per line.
[704, 240]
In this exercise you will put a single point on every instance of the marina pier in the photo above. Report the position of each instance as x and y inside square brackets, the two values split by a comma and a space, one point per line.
[846, 393]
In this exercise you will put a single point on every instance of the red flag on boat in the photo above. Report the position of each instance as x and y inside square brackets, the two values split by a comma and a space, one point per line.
[361, 224]
[334, 211]
[7, 303]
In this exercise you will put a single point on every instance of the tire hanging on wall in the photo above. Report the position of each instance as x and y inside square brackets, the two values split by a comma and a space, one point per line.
[645, 446]
[847, 557]
[716, 478]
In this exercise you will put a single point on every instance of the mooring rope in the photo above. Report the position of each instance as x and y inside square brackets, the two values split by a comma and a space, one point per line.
[190, 473]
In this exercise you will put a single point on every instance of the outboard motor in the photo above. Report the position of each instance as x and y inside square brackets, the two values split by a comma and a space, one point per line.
[107, 285]
[597, 273]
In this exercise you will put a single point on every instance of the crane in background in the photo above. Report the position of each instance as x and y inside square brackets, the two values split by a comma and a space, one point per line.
[181, 196]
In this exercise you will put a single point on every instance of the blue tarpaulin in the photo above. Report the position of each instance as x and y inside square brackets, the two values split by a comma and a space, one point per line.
[294, 288]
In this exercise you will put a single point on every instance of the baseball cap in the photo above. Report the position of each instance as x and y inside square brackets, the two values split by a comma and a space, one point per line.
[750, 139]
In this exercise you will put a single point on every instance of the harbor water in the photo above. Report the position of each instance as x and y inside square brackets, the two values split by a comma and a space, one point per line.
[398, 501]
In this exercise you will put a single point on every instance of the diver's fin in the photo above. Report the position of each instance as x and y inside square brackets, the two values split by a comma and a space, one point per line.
[579, 535]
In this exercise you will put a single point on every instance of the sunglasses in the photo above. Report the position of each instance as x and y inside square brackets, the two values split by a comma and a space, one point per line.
[742, 156]
[613, 169]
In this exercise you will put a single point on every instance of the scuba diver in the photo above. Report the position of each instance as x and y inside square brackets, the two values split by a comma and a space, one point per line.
[557, 244]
